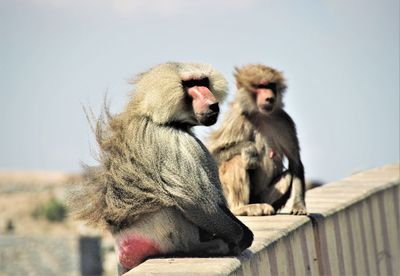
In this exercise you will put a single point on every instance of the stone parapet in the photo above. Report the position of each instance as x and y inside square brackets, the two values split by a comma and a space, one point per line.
[352, 229]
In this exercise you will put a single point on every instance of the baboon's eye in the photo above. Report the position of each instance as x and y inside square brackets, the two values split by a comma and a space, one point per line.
[270, 85]
[196, 82]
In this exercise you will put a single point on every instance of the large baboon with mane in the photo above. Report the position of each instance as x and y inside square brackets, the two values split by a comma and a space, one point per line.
[157, 187]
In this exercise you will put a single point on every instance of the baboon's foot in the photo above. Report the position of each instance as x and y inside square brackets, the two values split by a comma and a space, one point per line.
[257, 209]
[299, 209]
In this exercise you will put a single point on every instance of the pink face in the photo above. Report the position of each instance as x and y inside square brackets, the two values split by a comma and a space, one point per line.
[265, 96]
[202, 98]
[205, 105]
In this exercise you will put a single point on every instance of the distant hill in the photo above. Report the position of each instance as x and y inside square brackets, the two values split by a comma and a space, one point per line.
[23, 192]
[36, 177]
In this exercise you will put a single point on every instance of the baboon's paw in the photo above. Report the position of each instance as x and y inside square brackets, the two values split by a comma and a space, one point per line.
[261, 209]
[267, 210]
[299, 211]
[254, 211]
[258, 209]
[219, 247]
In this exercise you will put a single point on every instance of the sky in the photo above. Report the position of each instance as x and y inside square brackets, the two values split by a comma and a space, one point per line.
[340, 59]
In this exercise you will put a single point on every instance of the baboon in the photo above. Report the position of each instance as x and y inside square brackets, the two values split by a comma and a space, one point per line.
[252, 142]
[157, 188]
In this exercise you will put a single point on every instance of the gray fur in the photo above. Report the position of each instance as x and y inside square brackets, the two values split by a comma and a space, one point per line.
[150, 162]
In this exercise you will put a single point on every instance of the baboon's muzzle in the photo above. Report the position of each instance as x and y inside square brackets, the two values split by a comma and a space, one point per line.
[209, 117]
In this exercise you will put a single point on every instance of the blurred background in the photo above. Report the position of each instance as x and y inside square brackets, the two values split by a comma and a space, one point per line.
[340, 58]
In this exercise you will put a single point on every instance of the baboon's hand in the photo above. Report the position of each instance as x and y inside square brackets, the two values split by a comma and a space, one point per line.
[216, 247]
[250, 157]
[219, 247]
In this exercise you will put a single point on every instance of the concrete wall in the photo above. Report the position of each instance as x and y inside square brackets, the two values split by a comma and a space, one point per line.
[352, 229]
[48, 255]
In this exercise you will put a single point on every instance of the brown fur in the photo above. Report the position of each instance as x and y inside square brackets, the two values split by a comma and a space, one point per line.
[249, 75]
[250, 146]
[155, 178]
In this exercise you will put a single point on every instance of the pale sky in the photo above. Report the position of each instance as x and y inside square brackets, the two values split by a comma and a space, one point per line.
[340, 58]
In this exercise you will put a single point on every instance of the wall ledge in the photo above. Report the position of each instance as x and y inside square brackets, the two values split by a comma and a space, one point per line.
[350, 223]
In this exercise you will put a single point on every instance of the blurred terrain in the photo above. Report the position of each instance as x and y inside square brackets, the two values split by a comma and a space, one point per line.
[21, 193]
[33, 204]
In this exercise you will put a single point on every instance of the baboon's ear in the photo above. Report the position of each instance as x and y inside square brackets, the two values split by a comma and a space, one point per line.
[236, 74]
[236, 71]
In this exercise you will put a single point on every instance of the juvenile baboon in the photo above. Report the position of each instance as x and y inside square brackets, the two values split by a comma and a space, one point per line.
[251, 144]
[157, 188]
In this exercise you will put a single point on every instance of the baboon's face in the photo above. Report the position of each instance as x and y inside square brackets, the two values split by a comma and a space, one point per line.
[205, 105]
[260, 89]
[265, 95]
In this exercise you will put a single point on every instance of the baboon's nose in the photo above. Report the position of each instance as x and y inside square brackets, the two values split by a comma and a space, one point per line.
[270, 100]
[214, 107]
